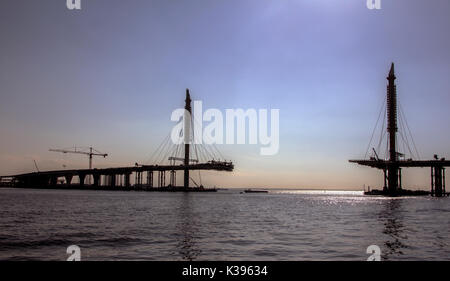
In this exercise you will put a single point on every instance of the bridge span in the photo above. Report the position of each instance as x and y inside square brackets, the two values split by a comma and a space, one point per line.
[114, 178]
[120, 178]
[392, 167]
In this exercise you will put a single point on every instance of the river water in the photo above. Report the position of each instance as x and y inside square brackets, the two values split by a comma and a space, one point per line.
[227, 225]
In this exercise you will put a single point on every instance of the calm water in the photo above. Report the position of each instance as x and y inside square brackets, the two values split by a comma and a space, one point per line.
[227, 225]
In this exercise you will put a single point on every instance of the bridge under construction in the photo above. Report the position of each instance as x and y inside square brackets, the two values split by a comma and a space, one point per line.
[120, 178]
[392, 167]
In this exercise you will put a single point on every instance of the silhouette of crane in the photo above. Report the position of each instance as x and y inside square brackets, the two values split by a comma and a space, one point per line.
[92, 152]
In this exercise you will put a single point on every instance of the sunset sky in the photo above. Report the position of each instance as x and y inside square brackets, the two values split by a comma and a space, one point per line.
[110, 75]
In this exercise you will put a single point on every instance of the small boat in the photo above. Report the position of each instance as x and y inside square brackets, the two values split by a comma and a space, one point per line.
[255, 191]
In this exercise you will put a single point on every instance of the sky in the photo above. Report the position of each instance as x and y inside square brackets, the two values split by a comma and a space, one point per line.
[110, 75]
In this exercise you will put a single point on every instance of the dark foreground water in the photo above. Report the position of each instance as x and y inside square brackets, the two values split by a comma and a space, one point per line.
[227, 225]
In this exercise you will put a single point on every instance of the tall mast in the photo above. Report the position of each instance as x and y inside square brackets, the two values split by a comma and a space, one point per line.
[393, 168]
[392, 114]
[187, 127]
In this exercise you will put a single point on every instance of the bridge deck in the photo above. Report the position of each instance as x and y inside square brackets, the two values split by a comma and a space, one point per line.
[384, 164]
[212, 165]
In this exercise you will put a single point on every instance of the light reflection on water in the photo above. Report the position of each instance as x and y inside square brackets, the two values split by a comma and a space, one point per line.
[187, 244]
[318, 192]
[227, 225]
[393, 228]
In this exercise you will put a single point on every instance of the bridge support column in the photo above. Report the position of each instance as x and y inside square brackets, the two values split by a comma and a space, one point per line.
[82, 178]
[437, 180]
[173, 178]
[393, 176]
[161, 178]
[150, 178]
[68, 179]
[96, 179]
[186, 179]
[112, 181]
[137, 180]
[443, 182]
[127, 180]
[432, 181]
[53, 180]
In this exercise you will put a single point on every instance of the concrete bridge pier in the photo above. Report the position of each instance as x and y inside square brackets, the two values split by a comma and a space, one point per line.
[437, 181]
[82, 178]
[150, 178]
[173, 178]
[138, 179]
[112, 180]
[127, 180]
[161, 178]
[68, 179]
[393, 179]
[53, 180]
[96, 179]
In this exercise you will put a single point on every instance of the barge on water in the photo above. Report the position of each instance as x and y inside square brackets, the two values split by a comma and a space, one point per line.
[255, 191]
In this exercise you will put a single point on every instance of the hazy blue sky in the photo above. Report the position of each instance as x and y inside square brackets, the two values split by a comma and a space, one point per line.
[111, 74]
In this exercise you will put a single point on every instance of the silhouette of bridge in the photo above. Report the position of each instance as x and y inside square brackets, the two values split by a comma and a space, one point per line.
[119, 178]
[392, 167]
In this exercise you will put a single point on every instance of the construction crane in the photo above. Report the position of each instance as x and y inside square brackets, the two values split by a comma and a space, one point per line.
[92, 152]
